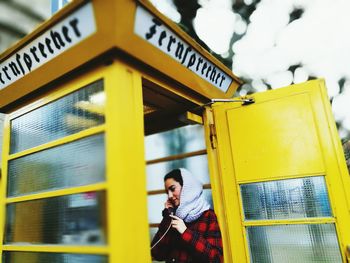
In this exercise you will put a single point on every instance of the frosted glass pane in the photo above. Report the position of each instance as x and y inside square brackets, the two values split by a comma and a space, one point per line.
[152, 232]
[285, 199]
[72, 113]
[77, 219]
[346, 148]
[294, 243]
[181, 140]
[33, 257]
[156, 205]
[198, 165]
[209, 197]
[78, 163]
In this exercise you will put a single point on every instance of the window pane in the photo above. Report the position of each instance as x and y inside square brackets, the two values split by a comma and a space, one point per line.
[156, 172]
[346, 148]
[77, 163]
[290, 243]
[33, 257]
[155, 207]
[152, 233]
[209, 197]
[181, 140]
[72, 113]
[78, 219]
[285, 199]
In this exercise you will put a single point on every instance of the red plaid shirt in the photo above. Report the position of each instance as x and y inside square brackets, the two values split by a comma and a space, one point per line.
[200, 243]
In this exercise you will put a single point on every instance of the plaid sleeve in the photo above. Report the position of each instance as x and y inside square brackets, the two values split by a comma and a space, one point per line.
[206, 238]
[160, 251]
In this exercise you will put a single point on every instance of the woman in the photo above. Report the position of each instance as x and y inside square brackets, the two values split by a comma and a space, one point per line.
[194, 234]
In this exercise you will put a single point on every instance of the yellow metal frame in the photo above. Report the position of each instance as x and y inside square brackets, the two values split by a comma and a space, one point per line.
[124, 156]
[65, 89]
[219, 159]
[115, 32]
[336, 174]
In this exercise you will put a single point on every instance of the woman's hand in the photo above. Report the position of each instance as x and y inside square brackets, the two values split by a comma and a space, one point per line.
[178, 224]
[168, 204]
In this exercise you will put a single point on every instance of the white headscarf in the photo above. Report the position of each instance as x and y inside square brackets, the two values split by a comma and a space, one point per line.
[192, 202]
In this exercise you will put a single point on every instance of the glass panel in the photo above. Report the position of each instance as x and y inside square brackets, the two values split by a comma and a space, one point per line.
[181, 140]
[72, 113]
[152, 233]
[77, 219]
[286, 199]
[33, 257]
[156, 172]
[2, 120]
[346, 147]
[156, 205]
[77, 163]
[290, 243]
[209, 196]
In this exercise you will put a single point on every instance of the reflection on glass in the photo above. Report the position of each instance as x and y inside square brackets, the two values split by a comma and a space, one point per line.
[155, 172]
[78, 219]
[156, 205]
[181, 140]
[72, 113]
[285, 199]
[291, 243]
[34, 257]
[73, 164]
[346, 148]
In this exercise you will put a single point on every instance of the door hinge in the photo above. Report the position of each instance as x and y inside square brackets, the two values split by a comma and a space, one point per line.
[212, 136]
[243, 100]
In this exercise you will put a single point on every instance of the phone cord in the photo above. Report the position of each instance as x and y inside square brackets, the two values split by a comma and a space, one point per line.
[166, 231]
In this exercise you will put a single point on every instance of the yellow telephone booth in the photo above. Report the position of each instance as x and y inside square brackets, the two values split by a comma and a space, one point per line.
[86, 89]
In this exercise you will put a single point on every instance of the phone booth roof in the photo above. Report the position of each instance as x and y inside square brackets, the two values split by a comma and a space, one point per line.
[83, 31]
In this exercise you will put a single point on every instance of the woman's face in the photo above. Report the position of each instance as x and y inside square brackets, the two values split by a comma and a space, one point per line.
[173, 189]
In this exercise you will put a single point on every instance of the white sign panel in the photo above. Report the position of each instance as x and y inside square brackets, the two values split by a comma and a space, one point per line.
[69, 32]
[153, 31]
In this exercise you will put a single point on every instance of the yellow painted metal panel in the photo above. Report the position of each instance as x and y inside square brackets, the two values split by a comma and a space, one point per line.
[61, 192]
[58, 249]
[3, 179]
[311, 220]
[222, 178]
[126, 179]
[217, 189]
[287, 133]
[279, 139]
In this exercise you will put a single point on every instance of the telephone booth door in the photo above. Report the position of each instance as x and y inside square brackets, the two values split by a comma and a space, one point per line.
[283, 176]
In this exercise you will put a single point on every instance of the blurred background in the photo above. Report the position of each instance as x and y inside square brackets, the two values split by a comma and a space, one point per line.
[267, 43]
[271, 43]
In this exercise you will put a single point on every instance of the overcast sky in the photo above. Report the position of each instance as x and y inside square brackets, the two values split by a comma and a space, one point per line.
[319, 41]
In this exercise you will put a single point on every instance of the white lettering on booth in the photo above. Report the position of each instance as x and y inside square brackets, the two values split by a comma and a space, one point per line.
[67, 33]
[153, 31]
